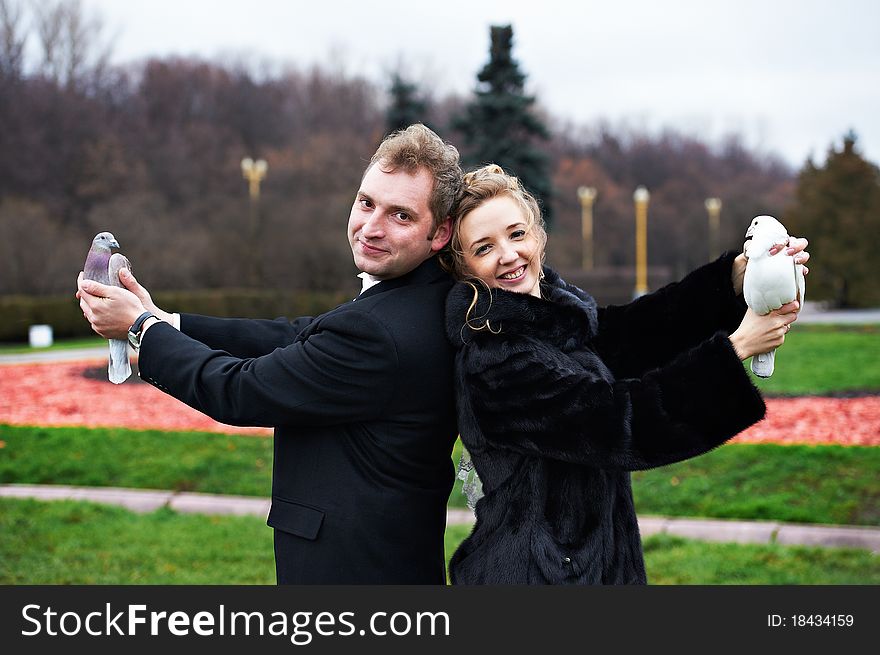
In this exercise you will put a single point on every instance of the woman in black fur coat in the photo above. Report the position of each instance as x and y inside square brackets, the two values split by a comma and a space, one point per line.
[559, 399]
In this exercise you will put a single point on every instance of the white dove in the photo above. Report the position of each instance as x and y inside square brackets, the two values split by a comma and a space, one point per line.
[103, 267]
[770, 281]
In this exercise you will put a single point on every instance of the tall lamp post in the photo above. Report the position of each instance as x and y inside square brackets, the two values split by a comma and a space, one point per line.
[587, 195]
[253, 172]
[713, 206]
[641, 198]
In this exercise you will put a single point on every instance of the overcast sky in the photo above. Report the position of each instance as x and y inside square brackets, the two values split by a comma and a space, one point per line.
[790, 76]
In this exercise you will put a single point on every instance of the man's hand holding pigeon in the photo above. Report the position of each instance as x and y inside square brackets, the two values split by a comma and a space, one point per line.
[103, 266]
[112, 310]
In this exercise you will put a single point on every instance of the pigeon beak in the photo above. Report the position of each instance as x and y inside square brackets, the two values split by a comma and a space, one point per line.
[114, 243]
[750, 232]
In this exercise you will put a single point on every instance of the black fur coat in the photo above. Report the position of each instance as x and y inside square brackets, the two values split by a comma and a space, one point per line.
[559, 400]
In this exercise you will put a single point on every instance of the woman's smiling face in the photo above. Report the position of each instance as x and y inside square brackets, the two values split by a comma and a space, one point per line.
[499, 248]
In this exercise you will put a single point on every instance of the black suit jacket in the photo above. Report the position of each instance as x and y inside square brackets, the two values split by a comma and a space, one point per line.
[361, 399]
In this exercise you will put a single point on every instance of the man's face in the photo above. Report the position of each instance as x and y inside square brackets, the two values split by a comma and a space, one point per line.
[391, 228]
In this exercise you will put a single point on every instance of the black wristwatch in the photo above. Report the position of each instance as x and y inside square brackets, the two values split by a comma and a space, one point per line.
[135, 331]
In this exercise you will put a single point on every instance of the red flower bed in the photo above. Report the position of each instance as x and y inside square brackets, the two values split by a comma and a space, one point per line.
[813, 420]
[60, 394]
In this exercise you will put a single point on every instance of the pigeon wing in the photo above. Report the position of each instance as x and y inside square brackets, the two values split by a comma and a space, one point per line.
[119, 369]
[117, 262]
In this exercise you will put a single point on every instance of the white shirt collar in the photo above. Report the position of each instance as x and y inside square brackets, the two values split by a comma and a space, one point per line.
[368, 281]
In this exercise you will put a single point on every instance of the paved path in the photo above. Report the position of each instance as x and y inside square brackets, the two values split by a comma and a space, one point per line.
[56, 355]
[751, 532]
[813, 313]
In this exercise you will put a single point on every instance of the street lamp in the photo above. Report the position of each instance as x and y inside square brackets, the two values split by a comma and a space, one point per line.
[641, 198]
[587, 195]
[253, 172]
[713, 206]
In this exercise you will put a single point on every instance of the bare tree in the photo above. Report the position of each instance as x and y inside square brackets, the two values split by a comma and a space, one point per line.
[11, 40]
[48, 20]
[73, 55]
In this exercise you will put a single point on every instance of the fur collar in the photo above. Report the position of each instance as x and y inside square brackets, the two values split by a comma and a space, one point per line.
[563, 311]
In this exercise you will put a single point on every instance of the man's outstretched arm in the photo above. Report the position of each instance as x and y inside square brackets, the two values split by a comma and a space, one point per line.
[109, 308]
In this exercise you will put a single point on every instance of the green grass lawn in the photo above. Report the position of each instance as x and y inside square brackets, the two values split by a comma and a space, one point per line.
[151, 459]
[807, 484]
[824, 359]
[81, 543]
[802, 484]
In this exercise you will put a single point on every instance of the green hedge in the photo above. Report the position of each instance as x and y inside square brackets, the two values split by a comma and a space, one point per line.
[18, 313]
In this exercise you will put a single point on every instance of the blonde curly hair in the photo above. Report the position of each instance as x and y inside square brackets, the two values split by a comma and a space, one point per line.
[479, 186]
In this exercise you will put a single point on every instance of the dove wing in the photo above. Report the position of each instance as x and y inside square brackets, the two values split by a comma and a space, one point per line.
[119, 369]
[117, 263]
[801, 283]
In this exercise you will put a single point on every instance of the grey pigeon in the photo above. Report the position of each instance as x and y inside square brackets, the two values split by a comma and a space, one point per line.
[104, 267]
[770, 281]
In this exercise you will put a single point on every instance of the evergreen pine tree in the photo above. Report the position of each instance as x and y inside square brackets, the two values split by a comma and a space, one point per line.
[406, 106]
[837, 207]
[500, 127]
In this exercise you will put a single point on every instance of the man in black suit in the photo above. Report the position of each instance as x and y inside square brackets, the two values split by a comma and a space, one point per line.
[360, 397]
